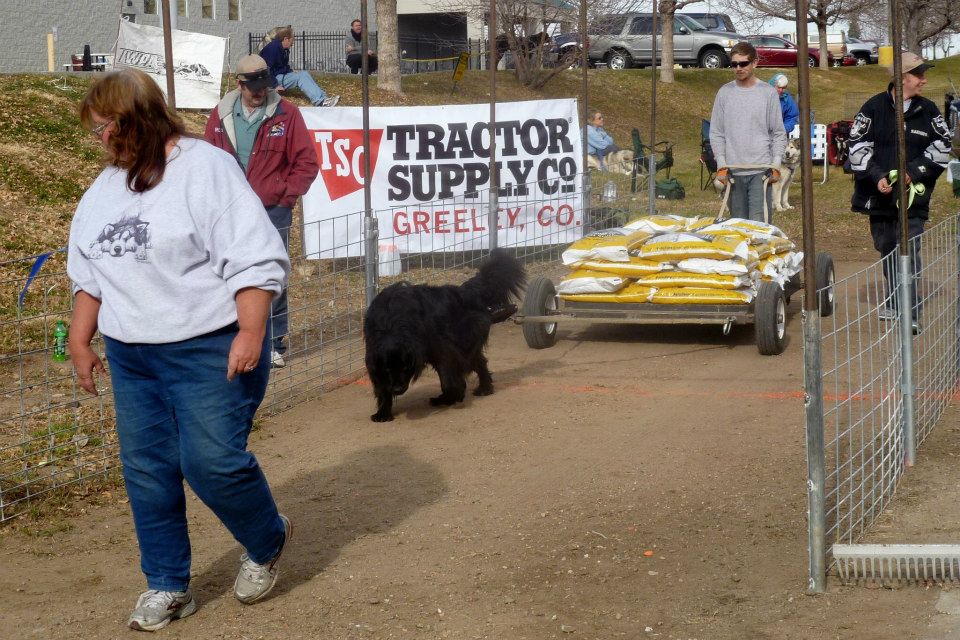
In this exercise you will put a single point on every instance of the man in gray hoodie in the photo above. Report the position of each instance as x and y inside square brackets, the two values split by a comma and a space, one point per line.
[746, 128]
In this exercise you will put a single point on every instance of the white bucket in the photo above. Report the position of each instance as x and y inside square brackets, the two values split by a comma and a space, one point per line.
[389, 260]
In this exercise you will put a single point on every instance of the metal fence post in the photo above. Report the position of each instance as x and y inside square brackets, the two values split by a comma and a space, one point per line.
[906, 358]
[652, 180]
[371, 230]
[813, 410]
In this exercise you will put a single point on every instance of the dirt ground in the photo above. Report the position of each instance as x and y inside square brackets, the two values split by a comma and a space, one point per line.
[629, 482]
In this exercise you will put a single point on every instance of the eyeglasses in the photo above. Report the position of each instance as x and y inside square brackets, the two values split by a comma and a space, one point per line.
[98, 130]
[740, 65]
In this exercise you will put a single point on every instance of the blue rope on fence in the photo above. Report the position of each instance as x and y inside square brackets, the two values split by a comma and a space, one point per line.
[35, 270]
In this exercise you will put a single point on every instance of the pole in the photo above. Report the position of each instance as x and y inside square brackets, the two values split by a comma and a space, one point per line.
[904, 264]
[651, 158]
[494, 181]
[168, 54]
[51, 54]
[371, 228]
[173, 16]
[812, 363]
[585, 101]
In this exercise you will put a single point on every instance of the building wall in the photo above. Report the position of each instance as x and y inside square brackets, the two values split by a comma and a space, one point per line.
[24, 25]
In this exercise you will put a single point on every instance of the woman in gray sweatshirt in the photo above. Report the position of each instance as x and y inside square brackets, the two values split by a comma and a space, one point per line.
[174, 260]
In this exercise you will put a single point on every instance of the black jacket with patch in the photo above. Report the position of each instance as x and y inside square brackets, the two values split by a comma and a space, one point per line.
[873, 153]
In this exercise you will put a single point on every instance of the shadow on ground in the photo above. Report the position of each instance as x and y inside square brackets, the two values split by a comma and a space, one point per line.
[369, 492]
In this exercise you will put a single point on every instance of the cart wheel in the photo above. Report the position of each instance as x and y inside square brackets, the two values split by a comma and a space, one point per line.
[770, 319]
[825, 280]
[540, 299]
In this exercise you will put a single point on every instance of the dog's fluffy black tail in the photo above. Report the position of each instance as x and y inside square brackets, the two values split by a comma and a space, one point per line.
[500, 277]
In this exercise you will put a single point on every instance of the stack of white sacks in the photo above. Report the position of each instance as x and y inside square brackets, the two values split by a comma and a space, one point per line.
[668, 259]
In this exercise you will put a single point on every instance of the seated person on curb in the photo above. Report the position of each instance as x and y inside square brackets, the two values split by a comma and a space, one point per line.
[354, 53]
[599, 142]
[277, 55]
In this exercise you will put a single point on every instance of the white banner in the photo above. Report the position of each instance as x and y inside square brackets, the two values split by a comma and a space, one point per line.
[430, 176]
[197, 62]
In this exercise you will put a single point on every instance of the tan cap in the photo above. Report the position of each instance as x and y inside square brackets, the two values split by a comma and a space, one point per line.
[912, 63]
[253, 72]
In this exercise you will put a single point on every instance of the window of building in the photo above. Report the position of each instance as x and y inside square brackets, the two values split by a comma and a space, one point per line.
[150, 7]
[233, 10]
[182, 8]
[206, 9]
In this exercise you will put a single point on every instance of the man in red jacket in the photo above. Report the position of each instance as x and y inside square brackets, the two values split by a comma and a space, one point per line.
[267, 136]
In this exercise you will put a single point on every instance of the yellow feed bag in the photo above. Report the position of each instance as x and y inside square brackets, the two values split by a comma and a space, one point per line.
[722, 267]
[695, 280]
[773, 245]
[672, 247]
[633, 268]
[754, 228]
[633, 292]
[660, 224]
[688, 295]
[586, 281]
[612, 245]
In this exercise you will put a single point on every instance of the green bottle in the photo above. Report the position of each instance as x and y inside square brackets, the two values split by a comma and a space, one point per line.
[60, 342]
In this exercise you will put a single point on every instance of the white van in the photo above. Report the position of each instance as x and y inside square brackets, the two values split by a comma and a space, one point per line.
[835, 42]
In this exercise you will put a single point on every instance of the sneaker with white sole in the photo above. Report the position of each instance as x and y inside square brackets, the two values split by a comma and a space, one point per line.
[276, 360]
[155, 609]
[256, 580]
[888, 314]
[330, 101]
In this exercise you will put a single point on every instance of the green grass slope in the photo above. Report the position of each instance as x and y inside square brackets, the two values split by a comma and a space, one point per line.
[47, 159]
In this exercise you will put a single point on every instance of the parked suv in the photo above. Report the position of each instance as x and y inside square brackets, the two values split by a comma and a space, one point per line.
[623, 40]
[713, 21]
[863, 52]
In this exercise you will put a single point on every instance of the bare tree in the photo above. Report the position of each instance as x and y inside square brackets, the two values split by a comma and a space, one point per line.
[523, 29]
[388, 47]
[926, 20]
[822, 13]
[666, 10]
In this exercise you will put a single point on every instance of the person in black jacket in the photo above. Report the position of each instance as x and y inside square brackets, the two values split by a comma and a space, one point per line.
[873, 158]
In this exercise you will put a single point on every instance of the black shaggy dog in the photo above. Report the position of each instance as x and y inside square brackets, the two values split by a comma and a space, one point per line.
[409, 326]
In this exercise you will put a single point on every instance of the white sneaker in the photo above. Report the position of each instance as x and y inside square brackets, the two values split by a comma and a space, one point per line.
[276, 360]
[256, 580]
[330, 101]
[155, 609]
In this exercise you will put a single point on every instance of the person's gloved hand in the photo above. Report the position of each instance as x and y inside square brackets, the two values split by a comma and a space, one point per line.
[723, 175]
[773, 175]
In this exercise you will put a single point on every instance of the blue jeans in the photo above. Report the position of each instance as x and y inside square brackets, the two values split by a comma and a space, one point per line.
[305, 82]
[747, 194]
[886, 239]
[179, 419]
[282, 218]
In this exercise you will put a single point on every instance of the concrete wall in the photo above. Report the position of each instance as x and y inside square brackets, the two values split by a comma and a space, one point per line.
[24, 25]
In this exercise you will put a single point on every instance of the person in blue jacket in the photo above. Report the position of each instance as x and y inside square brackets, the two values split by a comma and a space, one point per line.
[277, 55]
[788, 106]
[599, 142]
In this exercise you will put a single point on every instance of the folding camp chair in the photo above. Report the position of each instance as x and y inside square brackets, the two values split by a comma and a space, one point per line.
[707, 160]
[662, 150]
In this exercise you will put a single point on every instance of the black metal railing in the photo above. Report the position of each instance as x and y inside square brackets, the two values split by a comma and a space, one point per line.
[326, 52]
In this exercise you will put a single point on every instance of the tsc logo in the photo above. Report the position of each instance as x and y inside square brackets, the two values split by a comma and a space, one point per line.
[340, 153]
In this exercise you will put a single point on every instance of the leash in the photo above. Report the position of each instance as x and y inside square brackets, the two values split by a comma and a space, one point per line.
[915, 188]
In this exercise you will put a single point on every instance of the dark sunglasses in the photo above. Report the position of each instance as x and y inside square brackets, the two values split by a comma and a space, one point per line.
[740, 65]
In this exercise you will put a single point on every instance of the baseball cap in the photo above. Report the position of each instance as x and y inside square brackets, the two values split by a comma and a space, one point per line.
[252, 71]
[912, 63]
